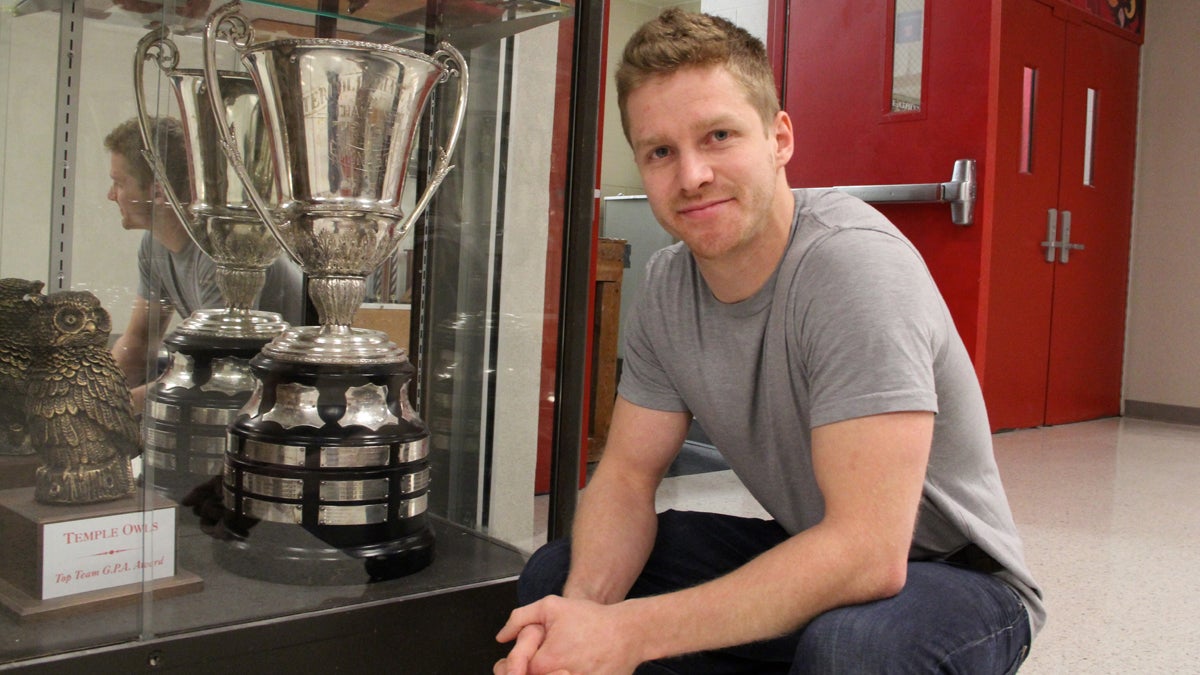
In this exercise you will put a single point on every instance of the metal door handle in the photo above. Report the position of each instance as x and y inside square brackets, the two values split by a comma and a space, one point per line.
[1065, 246]
[1051, 234]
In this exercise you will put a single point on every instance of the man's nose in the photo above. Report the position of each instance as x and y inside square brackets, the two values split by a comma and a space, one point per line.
[112, 193]
[695, 170]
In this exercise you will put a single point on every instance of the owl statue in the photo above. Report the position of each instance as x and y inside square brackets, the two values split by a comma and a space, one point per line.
[19, 300]
[77, 406]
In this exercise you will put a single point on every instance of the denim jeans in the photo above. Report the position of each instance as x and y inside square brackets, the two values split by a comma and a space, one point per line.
[947, 619]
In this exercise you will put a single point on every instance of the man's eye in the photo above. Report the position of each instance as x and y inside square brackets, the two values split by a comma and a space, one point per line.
[659, 153]
[720, 135]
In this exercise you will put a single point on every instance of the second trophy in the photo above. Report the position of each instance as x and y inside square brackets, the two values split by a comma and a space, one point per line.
[328, 441]
[207, 378]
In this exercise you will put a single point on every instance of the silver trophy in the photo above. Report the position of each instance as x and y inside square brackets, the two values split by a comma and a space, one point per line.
[328, 441]
[220, 218]
[208, 379]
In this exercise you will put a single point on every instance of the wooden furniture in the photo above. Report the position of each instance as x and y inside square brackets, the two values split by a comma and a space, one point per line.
[395, 320]
[610, 267]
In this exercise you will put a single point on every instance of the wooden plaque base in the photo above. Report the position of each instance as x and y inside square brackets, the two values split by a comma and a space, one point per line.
[23, 521]
[17, 471]
[25, 606]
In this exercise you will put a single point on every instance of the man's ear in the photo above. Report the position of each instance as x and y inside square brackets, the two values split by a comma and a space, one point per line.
[784, 138]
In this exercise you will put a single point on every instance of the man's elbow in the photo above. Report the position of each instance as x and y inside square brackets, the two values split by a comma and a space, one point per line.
[890, 578]
[882, 576]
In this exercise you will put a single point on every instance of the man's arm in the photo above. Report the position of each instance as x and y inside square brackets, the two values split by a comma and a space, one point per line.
[616, 523]
[147, 325]
[870, 471]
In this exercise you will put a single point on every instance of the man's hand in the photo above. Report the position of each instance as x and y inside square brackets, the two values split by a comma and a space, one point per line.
[138, 396]
[557, 636]
[517, 662]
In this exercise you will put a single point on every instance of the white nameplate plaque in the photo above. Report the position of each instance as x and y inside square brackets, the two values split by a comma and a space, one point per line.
[96, 553]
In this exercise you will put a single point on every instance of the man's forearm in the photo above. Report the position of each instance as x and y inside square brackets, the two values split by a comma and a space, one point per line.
[131, 359]
[613, 534]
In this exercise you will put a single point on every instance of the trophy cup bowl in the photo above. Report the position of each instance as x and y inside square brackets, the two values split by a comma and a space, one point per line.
[329, 441]
[207, 378]
[220, 218]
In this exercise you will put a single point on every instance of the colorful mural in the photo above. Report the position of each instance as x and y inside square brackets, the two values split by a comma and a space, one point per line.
[1127, 14]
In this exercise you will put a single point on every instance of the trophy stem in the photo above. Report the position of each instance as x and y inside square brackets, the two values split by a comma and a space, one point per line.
[240, 287]
[337, 299]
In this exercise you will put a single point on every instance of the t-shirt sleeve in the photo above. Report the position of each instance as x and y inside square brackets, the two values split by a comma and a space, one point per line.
[644, 380]
[873, 325]
[206, 283]
[283, 290]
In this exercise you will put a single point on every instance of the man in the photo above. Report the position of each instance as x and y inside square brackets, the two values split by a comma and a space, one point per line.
[172, 271]
[807, 335]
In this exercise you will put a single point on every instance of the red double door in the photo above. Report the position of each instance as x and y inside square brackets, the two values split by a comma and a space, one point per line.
[1044, 98]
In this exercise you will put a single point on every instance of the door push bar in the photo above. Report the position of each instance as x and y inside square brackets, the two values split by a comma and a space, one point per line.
[959, 192]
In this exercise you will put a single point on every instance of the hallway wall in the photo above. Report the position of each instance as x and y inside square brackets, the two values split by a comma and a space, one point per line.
[1162, 350]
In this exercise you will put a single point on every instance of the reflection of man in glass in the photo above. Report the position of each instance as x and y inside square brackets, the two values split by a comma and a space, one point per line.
[172, 271]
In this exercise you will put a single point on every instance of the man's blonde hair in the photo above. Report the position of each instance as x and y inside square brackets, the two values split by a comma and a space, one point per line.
[676, 40]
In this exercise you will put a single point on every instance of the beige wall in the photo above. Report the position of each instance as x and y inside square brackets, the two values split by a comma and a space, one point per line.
[103, 256]
[618, 175]
[1162, 361]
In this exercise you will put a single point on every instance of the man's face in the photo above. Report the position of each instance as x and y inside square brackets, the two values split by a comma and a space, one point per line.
[134, 201]
[709, 167]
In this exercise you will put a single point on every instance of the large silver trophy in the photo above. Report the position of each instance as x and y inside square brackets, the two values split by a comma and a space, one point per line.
[328, 441]
[208, 379]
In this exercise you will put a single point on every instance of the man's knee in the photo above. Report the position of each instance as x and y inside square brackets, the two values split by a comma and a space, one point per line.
[844, 641]
[946, 620]
[545, 573]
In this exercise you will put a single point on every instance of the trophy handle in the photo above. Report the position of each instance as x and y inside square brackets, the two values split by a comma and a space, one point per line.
[158, 46]
[228, 22]
[453, 57]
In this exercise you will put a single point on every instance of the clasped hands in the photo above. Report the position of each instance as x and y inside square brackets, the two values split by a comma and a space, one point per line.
[560, 636]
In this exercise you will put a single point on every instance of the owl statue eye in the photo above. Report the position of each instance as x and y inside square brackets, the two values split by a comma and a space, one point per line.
[70, 319]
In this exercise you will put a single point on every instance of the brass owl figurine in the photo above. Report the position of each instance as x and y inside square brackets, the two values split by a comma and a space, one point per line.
[77, 407]
[20, 299]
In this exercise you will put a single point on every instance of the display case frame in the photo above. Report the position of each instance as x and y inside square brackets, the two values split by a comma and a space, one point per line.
[448, 615]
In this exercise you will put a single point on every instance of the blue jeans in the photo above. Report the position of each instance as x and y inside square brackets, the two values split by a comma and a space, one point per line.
[947, 619]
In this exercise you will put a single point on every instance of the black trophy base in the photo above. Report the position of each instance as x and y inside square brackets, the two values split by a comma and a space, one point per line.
[326, 476]
[189, 406]
[288, 554]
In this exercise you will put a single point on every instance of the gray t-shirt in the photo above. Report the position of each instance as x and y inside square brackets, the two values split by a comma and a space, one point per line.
[850, 324]
[187, 280]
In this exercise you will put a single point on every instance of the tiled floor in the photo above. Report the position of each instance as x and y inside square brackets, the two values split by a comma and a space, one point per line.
[1110, 514]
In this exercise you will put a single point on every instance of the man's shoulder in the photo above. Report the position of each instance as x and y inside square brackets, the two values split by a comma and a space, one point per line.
[669, 259]
[833, 210]
[148, 244]
[283, 270]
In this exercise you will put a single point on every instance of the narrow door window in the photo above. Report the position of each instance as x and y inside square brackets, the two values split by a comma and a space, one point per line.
[1028, 107]
[908, 55]
[1089, 136]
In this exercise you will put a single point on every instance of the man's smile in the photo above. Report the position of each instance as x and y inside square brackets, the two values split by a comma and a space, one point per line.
[702, 207]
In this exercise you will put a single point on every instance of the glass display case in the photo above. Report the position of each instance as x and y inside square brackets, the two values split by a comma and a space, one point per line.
[278, 522]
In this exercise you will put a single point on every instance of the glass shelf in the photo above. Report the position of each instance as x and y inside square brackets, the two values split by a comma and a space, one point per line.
[465, 22]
